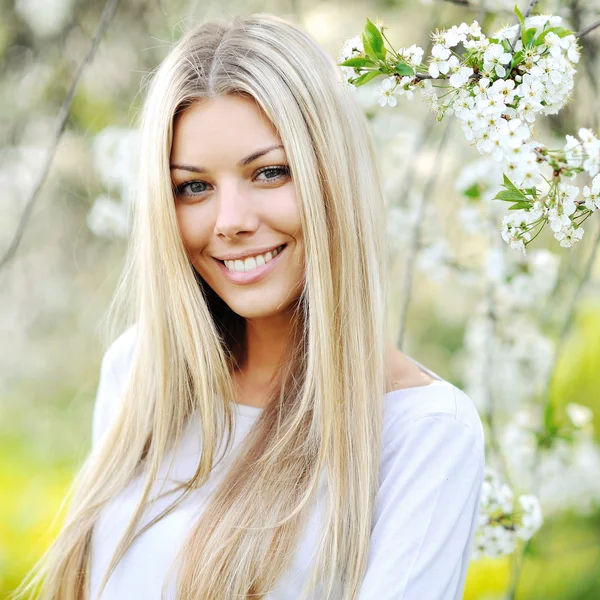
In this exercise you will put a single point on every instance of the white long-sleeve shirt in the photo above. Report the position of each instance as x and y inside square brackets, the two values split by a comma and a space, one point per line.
[431, 473]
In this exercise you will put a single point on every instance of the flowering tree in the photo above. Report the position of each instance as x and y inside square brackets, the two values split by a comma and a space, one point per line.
[499, 82]
[497, 85]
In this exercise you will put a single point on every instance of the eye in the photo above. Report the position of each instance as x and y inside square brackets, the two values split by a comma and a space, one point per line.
[193, 188]
[271, 174]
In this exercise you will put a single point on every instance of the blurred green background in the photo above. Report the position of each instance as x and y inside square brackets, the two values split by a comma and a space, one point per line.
[54, 292]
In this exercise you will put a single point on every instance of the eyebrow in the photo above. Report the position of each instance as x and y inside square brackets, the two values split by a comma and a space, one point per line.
[242, 163]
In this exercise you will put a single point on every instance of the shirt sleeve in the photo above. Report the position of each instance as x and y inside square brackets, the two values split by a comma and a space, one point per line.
[113, 372]
[105, 394]
[426, 512]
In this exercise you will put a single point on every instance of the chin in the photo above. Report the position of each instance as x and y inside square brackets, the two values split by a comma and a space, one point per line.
[257, 308]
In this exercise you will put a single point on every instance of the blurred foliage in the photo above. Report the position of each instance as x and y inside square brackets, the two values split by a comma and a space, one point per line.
[53, 295]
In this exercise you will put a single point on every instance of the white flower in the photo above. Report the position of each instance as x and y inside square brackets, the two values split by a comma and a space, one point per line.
[494, 57]
[439, 61]
[573, 151]
[566, 196]
[515, 230]
[460, 77]
[592, 195]
[475, 29]
[531, 519]
[405, 87]
[569, 236]
[454, 36]
[538, 21]
[579, 415]
[45, 18]
[513, 133]
[386, 92]
[429, 95]
[350, 48]
[109, 218]
[506, 88]
[508, 32]
[591, 150]
[414, 54]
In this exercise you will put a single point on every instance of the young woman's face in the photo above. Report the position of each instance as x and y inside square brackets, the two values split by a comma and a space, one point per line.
[236, 205]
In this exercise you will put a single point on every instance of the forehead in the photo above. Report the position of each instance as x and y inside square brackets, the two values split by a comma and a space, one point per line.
[226, 126]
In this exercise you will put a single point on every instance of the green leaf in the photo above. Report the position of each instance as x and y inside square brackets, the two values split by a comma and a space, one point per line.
[374, 40]
[403, 69]
[566, 32]
[357, 61]
[510, 185]
[520, 205]
[540, 38]
[508, 196]
[519, 15]
[473, 191]
[369, 52]
[511, 193]
[516, 59]
[548, 416]
[528, 36]
[366, 77]
[532, 191]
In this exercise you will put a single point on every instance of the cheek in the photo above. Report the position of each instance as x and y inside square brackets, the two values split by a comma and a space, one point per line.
[283, 213]
[193, 227]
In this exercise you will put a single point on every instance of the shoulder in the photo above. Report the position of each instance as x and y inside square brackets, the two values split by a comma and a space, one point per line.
[440, 405]
[118, 356]
[401, 372]
[115, 367]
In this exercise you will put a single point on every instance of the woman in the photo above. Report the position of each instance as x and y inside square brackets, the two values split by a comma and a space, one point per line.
[255, 435]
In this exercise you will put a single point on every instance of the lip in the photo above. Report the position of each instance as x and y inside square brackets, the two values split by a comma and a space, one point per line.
[243, 255]
[247, 277]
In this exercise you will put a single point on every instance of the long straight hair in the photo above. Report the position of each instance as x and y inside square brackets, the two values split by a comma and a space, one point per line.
[325, 415]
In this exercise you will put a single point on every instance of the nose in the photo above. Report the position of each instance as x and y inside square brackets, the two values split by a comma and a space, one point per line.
[235, 212]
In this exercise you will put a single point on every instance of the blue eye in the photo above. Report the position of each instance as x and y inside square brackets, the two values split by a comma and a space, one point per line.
[195, 187]
[265, 175]
[274, 173]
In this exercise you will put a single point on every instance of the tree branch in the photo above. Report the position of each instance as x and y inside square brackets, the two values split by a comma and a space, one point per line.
[416, 237]
[531, 6]
[63, 116]
[570, 316]
[459, 2]
[587, 29]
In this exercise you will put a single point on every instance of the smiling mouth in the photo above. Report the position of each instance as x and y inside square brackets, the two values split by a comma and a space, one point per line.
[253, 262]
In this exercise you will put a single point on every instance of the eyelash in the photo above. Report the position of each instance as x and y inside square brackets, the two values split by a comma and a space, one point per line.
[283, 170]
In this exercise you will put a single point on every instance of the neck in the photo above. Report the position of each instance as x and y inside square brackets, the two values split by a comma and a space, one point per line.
[266, 342]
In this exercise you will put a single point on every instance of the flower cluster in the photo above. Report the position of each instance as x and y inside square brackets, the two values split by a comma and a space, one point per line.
[114, 152]
[558, 456]
[496, 86]
[501, 521]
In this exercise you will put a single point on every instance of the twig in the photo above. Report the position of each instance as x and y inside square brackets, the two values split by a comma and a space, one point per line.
[416, 237]
[531, 6]
[414, 153]
[572, 309]
[63, 116]
[490, 414]
[459, 2]
[587, 29]
[519, 556]
[527, 12]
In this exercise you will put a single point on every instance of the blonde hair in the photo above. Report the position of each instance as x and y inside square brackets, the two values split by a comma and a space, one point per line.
[325, 417]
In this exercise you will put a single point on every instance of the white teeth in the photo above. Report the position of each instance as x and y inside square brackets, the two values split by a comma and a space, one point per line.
[252, 262]
[249, 264]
